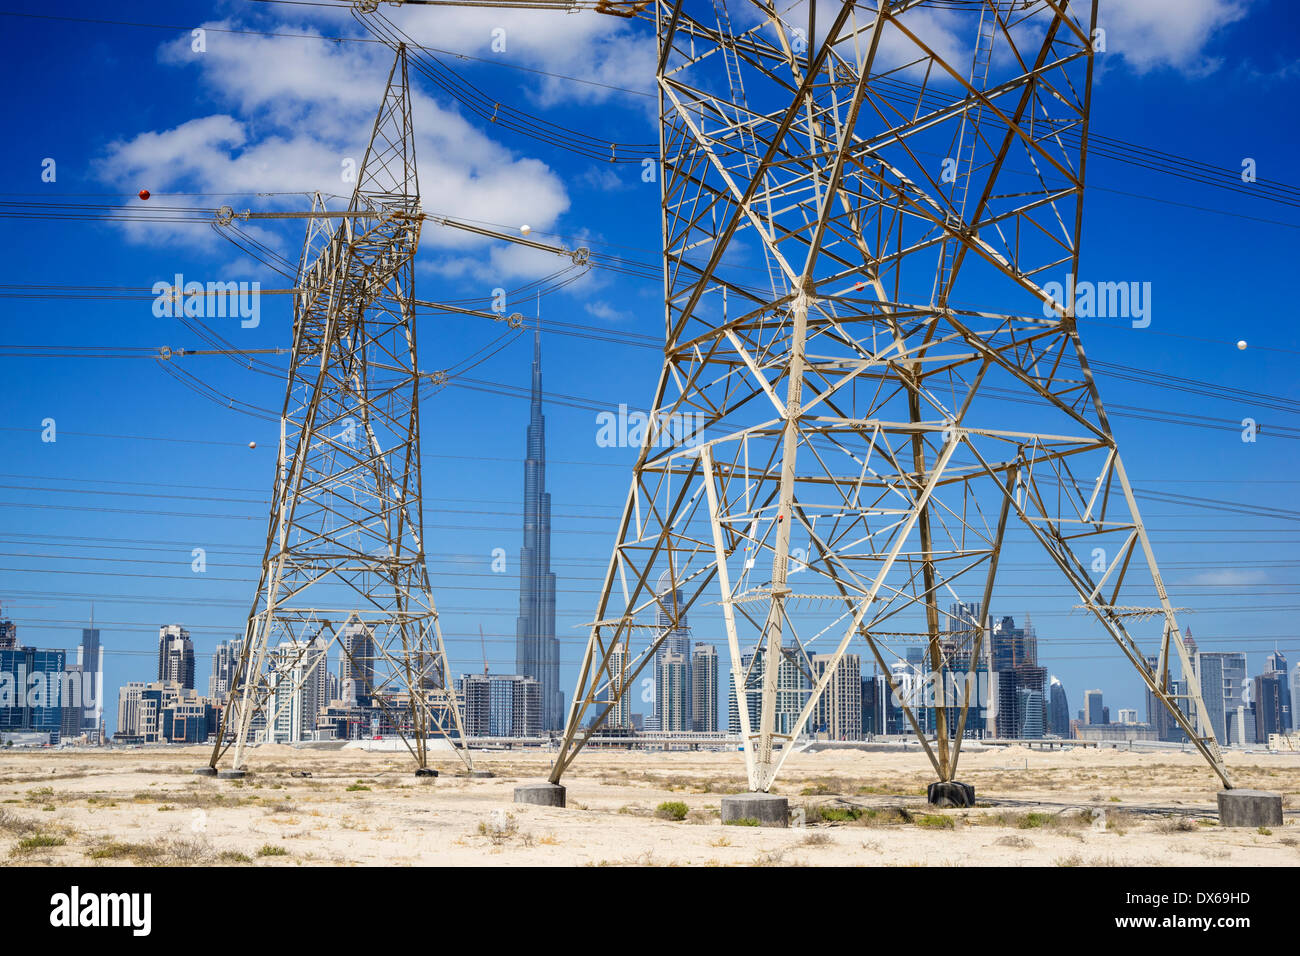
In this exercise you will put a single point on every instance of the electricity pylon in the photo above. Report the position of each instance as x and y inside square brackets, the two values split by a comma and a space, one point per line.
[344, 561]
[906, 400]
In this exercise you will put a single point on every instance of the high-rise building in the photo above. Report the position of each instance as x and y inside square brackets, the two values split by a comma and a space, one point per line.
[1029, 711]
[225, 664]
[537, 650]
[1058, 709]
[1275, 668]
[298, 690]
[1241, 725]
[357, 665]
[838, 713]
[793, 688]
[671, 616]
[71, 706]
[8, 635]
[1293, 685]
[1093, 711]
[91, 663]
[619, 720]
[32, 688]
[1223, 682]
[175, 656]
[1275, 662]
[1128, 715]
[1013, 646]
[672, 691]
[163, 712]
[1158, 716]
[1014, 659]
[873, 718]
[704, 689]
[501, 705]
[137, 714]
[1272, 706]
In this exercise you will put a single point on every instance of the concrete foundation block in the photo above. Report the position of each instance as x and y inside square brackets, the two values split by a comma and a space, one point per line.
[205, 771]
[231, 774]
[1250, 808]
[481, 774]
[951, 793]
[540, 794]
[768, 809]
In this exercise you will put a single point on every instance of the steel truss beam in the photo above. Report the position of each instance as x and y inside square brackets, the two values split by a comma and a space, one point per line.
[829, 240]
[344, 562]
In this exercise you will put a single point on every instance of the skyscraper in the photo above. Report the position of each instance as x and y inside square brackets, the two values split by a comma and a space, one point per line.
[1294, 688]
[1029, 708]
[1158, 716]
[1275, 668]
[673, 691]
[92, 677]
[1223, 680]
[537, 650]
[704, 689]
[175, 656]
[839, 711]
[501, 705]
[1014, 658]
[298, 689]
[671, 616]
[1272, 705]
[1093, 711]
[793, 688]
[31, 694]
[620, 715]
[225, 661]
[357, 665]
[1058, 708]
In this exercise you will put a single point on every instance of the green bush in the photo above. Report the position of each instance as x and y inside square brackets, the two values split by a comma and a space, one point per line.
[935, 821]
[40, 841]
[671, 810]
[839, 814]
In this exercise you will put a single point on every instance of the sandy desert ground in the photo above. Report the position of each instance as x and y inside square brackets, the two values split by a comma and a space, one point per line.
[1074, 808]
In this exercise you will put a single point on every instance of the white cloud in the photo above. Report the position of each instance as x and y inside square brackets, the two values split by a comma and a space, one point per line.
[1150, 34]
[293, 110]
[1231, 578]
[606, 312]
[608, 53]
[1147, 34]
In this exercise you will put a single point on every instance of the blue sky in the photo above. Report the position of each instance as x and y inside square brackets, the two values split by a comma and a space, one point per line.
[144, 470]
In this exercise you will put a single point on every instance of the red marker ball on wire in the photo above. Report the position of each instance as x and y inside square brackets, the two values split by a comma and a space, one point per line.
[144, 194]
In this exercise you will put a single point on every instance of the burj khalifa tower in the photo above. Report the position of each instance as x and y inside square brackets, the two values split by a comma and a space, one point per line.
[537, 650]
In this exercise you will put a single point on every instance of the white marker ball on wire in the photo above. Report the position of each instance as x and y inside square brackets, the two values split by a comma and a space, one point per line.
[525, 229]
[252, 444]
[1241, 344]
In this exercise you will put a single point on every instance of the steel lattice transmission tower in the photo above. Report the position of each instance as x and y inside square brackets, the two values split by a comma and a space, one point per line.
[345, 561]
[858, 232]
